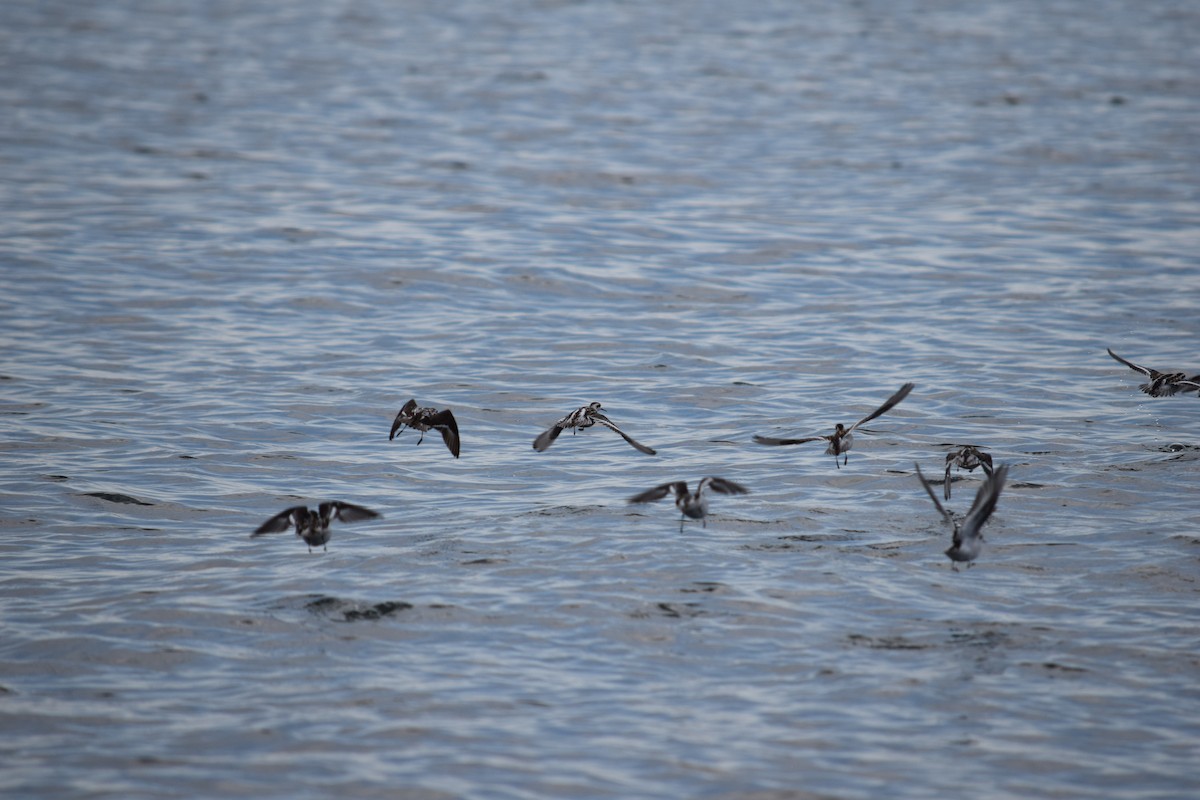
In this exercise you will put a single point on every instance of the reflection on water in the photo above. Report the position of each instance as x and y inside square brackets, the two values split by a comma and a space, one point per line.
[235, 241]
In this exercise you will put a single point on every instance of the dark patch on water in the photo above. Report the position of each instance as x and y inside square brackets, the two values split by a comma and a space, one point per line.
[670, 610]
[115, 497]
[352, 611]
[845, 536]
[703, 586]
[886, 642]
[1053, 668]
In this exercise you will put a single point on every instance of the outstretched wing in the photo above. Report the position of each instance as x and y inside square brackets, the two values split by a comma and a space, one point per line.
[773, 441]
[346, 512]
[403, 417]
[606, 422]
[659, 492]
[721, 486]
[444, 422]
[1149, 373]
[929, 491]
[546, 438]
[280, 522]
[985, 503]
[887, 406]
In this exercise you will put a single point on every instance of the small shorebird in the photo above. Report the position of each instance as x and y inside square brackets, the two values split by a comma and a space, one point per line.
[580, 418]
[1161, 384]
[840, 441]
[423, 419]
[968, 457]
[313, 527]
[690, 504]
[968, 540]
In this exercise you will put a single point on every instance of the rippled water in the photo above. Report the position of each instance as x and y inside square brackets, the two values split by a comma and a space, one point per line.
[236, 239]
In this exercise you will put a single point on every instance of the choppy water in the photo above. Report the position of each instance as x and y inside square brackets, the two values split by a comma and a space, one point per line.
[234, 240]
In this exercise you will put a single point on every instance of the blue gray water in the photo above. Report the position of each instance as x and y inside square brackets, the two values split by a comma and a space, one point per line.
[236, 237]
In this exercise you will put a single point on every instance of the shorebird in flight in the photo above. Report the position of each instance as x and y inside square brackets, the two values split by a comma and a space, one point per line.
[580, 418]
[1161, 384]
[424, 419]
[313, 526]
[968, 457]
[690, 504]
[968, 540]
[840, 441]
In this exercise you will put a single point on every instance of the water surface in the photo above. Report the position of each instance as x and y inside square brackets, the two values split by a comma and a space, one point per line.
[235, 240]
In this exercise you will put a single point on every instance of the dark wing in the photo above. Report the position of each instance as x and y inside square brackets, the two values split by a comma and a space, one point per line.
[403, 417]
[606, 422]
[280, 522]
[546, 438]
[1149, 373]
[985, 503]
[950, 459]
[985, 461]
[444, 422]
[346, 512]
[659, 492]
[773, 441]
[722, 486]
[887, 406]
[929, 491]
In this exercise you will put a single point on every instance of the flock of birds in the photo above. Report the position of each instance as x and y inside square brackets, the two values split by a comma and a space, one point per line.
[967, 540]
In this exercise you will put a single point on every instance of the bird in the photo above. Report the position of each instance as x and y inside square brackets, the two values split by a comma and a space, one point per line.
[313, 526]
[968, 457]
[585, 417]
[690, 504]
[1161, 384]
[968, 540]
[840, 441]
[423, 419]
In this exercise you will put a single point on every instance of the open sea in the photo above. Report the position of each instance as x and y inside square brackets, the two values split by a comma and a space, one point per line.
[235, 237]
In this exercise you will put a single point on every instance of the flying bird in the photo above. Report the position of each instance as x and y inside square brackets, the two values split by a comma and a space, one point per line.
[840, 441]
[968, 540]
[968, 457]
[424, 419]
[313, 526]
[690, 504]
[580, 418]
[1161, 384]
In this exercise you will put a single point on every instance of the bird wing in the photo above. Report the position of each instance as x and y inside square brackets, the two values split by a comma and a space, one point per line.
[887, 406]
[346, 512]
[280, 522]
[722, 486]
[606, 422]
[403, 417]
[1149, 373]
[773, 441]
[659, 492]
[985, 461]
[546, 438]
[444, 422]
[985, 503]
[929, 491]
